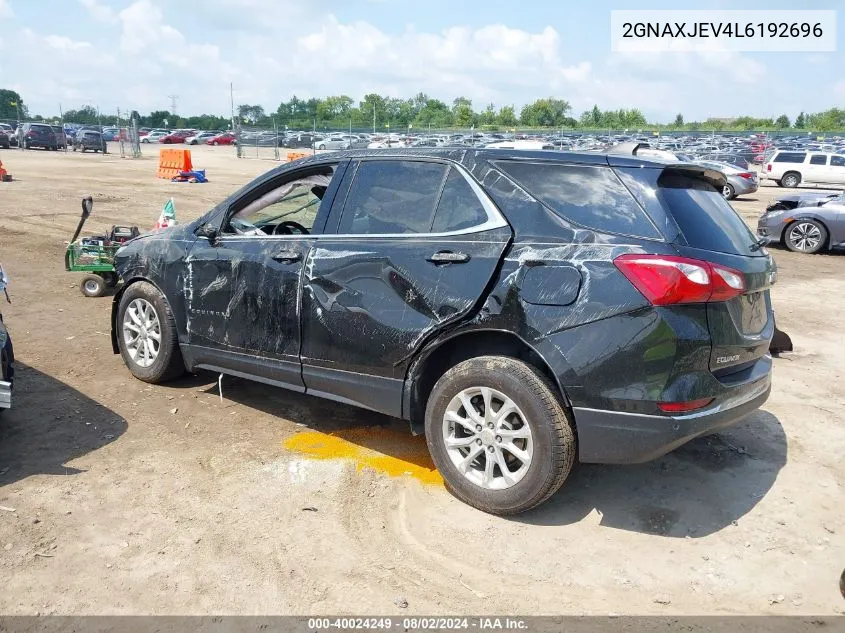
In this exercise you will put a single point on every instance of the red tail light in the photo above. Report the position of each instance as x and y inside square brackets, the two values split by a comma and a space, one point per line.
[669, 280]
[683, 407]
[768, 167]
[747, 175]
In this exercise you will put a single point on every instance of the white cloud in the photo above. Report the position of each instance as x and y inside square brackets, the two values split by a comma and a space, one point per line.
[99, 12]
[5, 10]
[839, 89]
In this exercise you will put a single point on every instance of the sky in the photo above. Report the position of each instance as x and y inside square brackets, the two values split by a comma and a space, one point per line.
[134, 54]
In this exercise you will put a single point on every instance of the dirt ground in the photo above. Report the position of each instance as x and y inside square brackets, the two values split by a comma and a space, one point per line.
[123, 498]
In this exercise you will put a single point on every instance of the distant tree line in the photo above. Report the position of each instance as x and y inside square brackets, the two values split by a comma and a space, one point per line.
[424, 112]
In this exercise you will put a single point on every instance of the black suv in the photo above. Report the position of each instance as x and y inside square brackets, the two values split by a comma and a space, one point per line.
[524, 309]
[38, 135]
[89, 140]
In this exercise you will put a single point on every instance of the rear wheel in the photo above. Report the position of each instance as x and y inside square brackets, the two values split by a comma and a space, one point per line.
[791, 179]
[499, 435]
[146, 334]
[805, 236]
[215, 143]
[92, 286]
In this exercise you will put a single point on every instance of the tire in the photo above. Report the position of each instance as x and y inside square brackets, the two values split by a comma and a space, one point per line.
[791, 179]
[26, 145]
[92, 286]
[550, 440]
[167, 363]
[805, 236]
[111, 279]
[322, 147]
[215, 143]
[728, 192]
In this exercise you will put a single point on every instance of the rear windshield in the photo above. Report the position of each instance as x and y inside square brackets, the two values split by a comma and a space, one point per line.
[706, 220]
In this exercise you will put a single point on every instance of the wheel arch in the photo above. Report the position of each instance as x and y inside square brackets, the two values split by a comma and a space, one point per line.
[825, 246]
[435, 360]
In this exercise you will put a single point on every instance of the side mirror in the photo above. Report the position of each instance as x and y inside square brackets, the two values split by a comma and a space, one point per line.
[208, 231]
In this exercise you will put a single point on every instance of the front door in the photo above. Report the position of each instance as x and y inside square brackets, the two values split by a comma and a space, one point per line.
[415, 245]
[242, 290]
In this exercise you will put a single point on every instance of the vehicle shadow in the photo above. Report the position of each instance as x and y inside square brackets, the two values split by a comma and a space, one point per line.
[373, 433]
[50, 424]
[698, 489]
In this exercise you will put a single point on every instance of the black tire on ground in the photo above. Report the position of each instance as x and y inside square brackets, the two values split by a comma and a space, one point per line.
[728, 192]
[805, 236]
[92, 286]
[111, 279]
[791, 179]
[552, 433]
[322, 147]
[168, 365]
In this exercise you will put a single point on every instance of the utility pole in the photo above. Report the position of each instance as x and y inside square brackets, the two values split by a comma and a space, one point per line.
[232, 101]
[173, 99]
[374, 118]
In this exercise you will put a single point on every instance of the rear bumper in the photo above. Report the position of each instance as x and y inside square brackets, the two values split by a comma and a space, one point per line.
[5, 394]
[614, 437]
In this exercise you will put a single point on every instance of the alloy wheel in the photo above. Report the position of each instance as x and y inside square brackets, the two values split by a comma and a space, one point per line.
[487, 438]
[142, 332]
[805, 236]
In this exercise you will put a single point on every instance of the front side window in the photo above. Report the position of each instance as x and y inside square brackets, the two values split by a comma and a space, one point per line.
[393, 197]
[289, 208]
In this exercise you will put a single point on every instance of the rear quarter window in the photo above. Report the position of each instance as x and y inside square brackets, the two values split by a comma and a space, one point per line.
[586, 195]
[790, 157]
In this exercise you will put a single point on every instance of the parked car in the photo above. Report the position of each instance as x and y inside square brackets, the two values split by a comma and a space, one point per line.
[155, 136]
[332, 142]
[11, 135]
[300, 141]
[521, 308]
[5, 142]
[739, 181]
[37, 135]
[736, 160]
[61, 137]
[200, 138]
[90, 140]
[178, 136]
[7, 352]
[805, 223]
[790, 168]
[226, 138]
[111, 133]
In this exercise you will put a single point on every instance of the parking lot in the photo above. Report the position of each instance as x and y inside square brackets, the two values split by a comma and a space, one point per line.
[119, 497]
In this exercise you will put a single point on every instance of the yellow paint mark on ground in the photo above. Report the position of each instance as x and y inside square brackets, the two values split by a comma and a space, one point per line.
[390, 451]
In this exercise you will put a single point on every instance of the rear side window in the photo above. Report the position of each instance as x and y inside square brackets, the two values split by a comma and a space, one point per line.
[392, 196]
[589, 196]
[459, 207]
[818, 159]
[706, 220]
[790, 157]
[837, 161]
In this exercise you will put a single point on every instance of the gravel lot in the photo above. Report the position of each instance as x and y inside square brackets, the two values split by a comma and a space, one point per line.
[124, 498]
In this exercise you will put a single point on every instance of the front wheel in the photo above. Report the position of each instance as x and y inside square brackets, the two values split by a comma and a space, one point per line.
[146, 334]
[728, 192]
[92, 286]
[322, 147]
[499, 435]
[805, 236]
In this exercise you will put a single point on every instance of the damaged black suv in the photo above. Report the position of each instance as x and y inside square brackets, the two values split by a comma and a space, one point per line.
[523, 309]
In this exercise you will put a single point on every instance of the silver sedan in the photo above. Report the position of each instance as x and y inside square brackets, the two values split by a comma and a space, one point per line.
[740, 181]
[805, 223]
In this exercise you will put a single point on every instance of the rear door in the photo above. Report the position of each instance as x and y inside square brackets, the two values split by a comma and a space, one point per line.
[710, 230]
[415, 244]
[816, 169]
